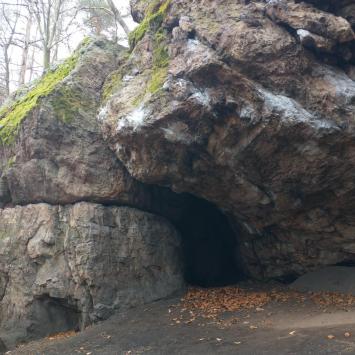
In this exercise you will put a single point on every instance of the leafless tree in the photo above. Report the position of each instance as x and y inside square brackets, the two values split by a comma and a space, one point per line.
[8, 26]
[103, 15]
[53, 19]
[25, 49]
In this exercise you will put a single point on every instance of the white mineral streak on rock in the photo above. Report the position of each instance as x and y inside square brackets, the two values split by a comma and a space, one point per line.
[302, 34]
[202, 97]
[101, 116]
[134, 119]
[289, 110]
[178, 132]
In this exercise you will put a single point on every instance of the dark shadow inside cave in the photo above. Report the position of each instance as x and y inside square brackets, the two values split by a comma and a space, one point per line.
[210, 246]
[52, 315]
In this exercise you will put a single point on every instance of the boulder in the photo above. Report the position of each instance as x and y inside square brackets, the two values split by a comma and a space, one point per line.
[63, 268]
[224, 101]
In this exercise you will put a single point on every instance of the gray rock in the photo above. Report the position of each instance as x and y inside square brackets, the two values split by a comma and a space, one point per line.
[251, 120]
[339, 279]
[65, 267]
[2, 347]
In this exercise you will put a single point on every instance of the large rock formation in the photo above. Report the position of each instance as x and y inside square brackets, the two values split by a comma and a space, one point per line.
[248, 105]
[64, 267]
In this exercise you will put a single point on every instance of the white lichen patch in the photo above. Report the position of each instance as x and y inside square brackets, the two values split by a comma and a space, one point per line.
[340, 83]
[103, 112]
[202, 97]
[303, 34]
[134, 119]
[287, 109]
[178, 132]
[127, 78]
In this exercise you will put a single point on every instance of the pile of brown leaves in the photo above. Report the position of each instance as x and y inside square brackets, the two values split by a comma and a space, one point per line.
[62, 335]
[210, 303]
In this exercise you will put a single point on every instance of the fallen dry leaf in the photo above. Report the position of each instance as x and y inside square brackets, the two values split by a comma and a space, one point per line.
[209, 303]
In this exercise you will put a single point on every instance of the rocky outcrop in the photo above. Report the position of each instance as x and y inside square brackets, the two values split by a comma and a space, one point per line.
[64, 267]
[57, 154]
[248, 104]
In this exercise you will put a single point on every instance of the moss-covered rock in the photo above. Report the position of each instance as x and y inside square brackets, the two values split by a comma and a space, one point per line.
[11, 116]
[67, 102]
[160, 62]
[155, 16]
[112, 83]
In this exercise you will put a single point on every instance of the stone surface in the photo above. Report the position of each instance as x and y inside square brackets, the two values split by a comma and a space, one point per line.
[63, 161]
[58, 161]
[252, 119]
[338, 279]
[65, 267]
[249, 105]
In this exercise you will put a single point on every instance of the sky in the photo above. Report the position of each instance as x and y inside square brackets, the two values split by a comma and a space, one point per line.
[122, 5]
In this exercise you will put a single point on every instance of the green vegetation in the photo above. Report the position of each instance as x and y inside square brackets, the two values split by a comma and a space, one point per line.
[152, 21]
[11, 162]
[160, 62]
[159, 69]
[68, 101]
[112, 83]
[11, 116]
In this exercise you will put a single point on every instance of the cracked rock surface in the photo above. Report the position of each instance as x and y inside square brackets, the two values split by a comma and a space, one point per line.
[249, 105]
[64, 267]
[256, 114]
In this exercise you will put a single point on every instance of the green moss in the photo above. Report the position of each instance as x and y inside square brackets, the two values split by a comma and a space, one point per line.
[3, 234]
[11, 162]
[152, 21]
[157, 80]
[69, 102]
[138, 100]
[112, 83]
[12, 115]
[160, 62]
[85, 42]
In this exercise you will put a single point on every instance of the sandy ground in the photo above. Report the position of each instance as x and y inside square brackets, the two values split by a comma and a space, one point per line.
[295, 324]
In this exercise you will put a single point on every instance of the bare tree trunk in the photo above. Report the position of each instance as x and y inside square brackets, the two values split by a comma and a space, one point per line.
[118, 17]
[23, 67]
[11, 23]
[32, 64]
[7, 70]
[46, 58]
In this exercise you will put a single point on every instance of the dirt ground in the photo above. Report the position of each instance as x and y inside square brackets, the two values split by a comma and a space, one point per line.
[246, 319]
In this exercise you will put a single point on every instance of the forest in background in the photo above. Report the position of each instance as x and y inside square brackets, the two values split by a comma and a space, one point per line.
[37, 34]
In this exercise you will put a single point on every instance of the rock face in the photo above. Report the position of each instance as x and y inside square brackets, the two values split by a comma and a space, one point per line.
[65, 267]
[250, 105]
[245, 107]
[58, 155]
[337, 279]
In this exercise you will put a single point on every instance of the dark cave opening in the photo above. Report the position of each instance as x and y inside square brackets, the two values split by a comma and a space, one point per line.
[52, 315]
[210, 246]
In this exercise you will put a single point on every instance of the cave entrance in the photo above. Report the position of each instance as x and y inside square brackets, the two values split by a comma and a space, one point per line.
[53, 315]
[210, 246]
